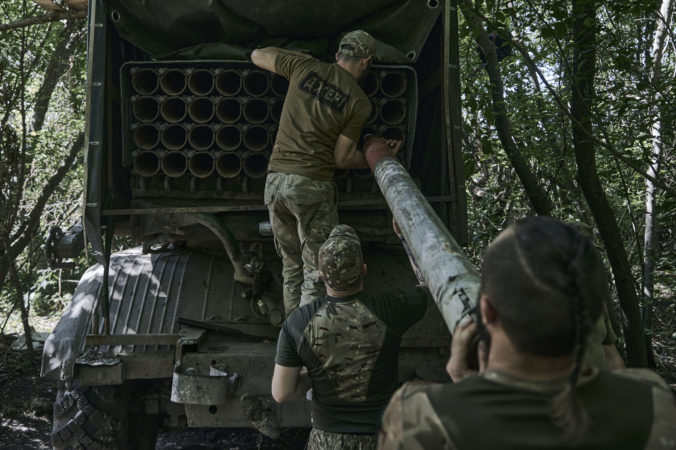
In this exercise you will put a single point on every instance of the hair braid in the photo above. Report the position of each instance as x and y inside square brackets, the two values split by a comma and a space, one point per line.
[567, 412]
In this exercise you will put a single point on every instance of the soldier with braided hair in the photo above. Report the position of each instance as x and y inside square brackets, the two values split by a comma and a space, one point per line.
[543, 287]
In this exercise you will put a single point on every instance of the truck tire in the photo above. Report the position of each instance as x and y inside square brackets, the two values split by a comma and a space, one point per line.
[90, 417]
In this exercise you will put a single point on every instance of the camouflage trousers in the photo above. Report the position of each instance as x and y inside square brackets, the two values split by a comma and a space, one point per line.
[324, 440]
[303, 211]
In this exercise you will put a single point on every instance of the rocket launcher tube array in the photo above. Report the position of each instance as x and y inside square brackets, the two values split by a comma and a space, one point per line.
[201, 109]
[200, 82]
[147, 164]
[145, 109]
[174, 164]
[255, 165]
[255, 110]
[145, 81]
[393, 84]
[173, 81]
[229, 137]
[255, 137]
[174, 136]
[229, 110]
[228, 82]
[201, 164]
[371, 84]
[451, 278]
[392, 111]
[255, 82]
[173, 109]
[279, 85]
[146, 136]
[201, 137]
[276, 108]
[229, 165]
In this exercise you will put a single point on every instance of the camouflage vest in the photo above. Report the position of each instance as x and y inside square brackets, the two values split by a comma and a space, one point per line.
[350, 347]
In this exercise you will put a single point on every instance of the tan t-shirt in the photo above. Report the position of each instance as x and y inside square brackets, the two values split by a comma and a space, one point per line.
[323, 102]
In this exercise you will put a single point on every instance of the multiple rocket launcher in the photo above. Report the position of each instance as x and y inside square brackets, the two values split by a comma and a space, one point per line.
[207, 121]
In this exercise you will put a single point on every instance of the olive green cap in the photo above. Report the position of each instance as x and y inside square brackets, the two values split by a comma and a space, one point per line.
[340, 259]
[357, 43]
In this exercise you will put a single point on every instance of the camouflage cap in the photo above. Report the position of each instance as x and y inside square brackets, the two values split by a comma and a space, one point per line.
[357, 43]
[340, 258]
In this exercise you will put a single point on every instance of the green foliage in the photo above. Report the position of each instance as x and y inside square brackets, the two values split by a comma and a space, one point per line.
[42, 90]
[627, 100]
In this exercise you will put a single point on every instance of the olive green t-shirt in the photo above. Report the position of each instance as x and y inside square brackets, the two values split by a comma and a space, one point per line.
[626, 409]
[323, 101]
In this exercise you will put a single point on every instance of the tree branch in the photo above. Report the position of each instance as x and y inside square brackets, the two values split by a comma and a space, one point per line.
[69, 39]
[541, 202]
[34, 217]
[46, 18]
[562, 104]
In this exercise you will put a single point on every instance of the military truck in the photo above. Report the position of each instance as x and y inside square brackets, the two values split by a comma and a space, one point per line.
[177, 330]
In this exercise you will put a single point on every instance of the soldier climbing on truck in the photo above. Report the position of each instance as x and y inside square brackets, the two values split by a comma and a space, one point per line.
[320, 126]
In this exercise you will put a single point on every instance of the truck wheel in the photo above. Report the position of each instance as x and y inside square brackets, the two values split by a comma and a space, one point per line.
[90, 417]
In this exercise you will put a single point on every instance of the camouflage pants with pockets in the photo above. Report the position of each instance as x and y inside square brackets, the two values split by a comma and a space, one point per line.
[324, 440]
[303, 211]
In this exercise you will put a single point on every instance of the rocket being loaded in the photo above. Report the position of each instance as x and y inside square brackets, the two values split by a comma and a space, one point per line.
[451, 278]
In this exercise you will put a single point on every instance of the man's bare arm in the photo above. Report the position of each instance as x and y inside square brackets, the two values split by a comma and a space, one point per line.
[265, 57]
[347, 155]
[288, 383]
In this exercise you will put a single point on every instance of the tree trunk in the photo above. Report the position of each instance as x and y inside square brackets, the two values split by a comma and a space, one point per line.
[650, 233]
[584, 60]
[69, 39]
[540, 200]
[19, 300]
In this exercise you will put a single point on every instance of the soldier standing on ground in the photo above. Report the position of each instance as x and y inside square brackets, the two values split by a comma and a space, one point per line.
[543, 287]
[321, 122]
[349, 342]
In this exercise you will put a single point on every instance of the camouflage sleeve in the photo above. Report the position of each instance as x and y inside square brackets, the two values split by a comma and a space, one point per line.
[645, 375]
[361, 112]
[286, 64]
[663, 431]
[410, 422]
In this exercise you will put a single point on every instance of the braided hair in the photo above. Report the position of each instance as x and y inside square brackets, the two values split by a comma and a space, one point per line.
[548, 285]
